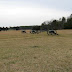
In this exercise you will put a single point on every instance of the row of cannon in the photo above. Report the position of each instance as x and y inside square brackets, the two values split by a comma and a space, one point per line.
[32, 31]
[49, 32]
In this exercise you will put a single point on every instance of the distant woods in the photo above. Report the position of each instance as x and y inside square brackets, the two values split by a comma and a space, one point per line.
[62, 23]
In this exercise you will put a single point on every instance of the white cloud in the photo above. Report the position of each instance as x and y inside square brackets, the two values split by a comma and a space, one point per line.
[17, 16]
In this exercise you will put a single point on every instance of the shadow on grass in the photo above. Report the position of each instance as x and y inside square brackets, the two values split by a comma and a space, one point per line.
[35, 46]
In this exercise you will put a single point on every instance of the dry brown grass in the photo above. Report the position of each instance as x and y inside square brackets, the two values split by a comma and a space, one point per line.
[35, 52]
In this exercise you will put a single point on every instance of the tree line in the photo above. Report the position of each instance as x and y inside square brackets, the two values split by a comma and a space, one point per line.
[62, 23]
[16, 28]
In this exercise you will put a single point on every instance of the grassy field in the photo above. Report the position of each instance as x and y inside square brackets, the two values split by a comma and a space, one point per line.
[35, 52]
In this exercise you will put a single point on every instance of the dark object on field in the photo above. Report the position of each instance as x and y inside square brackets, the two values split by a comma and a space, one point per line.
[0, 30]
[23, 31]
[33, 32]
[52, 32]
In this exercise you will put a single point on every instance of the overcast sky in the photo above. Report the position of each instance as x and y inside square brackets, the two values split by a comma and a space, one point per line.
[32, 12]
